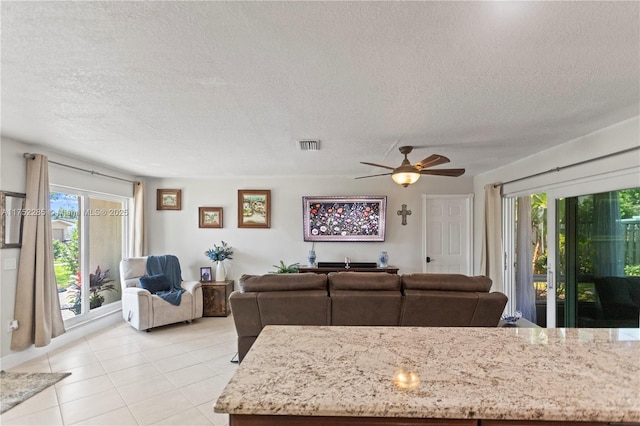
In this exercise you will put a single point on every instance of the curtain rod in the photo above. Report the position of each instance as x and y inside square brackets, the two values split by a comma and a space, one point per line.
[557, 169]
[93, 172]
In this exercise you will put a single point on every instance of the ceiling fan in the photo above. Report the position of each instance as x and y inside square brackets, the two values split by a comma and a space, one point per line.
[409, 173]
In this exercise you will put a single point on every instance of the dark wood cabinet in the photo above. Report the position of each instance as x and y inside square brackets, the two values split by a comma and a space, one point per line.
[326, 270]
[215, 298]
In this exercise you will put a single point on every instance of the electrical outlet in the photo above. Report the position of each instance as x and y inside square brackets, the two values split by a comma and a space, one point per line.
[10, 263]
[13, 325]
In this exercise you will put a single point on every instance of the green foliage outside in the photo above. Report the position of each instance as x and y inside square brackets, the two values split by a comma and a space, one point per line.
[65, 259]
[629, 203]
[632, 270]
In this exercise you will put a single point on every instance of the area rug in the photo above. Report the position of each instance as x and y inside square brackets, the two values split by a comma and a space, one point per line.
[18, 387]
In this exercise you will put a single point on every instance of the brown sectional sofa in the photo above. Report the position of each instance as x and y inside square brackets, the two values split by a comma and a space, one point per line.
[362, 298]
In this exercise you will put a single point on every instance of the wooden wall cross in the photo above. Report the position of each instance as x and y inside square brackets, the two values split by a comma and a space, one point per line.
[404, 213]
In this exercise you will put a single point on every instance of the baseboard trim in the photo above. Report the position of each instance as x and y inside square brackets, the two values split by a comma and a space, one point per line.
[72, 334]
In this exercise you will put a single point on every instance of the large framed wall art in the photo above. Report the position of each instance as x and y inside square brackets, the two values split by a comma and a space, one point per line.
[344, 218]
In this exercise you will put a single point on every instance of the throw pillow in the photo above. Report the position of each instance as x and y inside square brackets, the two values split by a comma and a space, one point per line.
[155, 283]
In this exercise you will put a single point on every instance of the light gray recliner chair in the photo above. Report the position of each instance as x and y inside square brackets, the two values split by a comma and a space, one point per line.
[144, 310]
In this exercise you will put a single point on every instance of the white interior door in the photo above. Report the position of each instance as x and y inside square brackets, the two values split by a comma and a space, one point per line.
[447, 233]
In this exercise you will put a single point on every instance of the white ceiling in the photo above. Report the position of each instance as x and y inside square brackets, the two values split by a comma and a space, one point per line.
[183, 88]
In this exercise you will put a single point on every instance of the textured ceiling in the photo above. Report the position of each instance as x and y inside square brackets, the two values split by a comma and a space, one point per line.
[227, 88]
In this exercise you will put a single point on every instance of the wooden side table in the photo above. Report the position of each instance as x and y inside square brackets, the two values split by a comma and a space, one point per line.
[215, 298]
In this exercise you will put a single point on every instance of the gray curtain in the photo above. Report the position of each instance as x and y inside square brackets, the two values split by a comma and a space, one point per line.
[608, 235]
[491, 255]
[139, 240]
[525, 291]
[37, 307]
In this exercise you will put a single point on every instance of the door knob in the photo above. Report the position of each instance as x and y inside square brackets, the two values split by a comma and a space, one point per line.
[428, 259]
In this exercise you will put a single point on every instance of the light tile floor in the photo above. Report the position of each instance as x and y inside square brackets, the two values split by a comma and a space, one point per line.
[121, 376]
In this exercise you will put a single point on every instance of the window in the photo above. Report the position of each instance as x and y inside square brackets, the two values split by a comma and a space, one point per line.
[89, 240]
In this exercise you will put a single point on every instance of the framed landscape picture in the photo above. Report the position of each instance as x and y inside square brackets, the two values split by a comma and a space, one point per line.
[210, 217]
[169, 199]
[254, 208]
[344, 218]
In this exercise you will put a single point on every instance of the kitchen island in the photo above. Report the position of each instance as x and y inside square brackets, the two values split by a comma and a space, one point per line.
[413, 375]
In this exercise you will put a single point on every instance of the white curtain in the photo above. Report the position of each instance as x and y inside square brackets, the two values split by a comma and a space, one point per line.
[491, 255]
[525, 291]
[37, 307]
[139, 240]
[608, 235]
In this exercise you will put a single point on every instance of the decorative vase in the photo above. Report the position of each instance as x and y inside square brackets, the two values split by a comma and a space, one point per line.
[221, 273]
[311, 258]
[383, 259]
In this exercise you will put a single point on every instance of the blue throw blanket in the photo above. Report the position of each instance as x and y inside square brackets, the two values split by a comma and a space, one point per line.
[170, 267]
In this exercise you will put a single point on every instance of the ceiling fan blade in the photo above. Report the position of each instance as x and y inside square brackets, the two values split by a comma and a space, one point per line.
[381, 174]
[444, 172]
[377, 165]
[432, 160]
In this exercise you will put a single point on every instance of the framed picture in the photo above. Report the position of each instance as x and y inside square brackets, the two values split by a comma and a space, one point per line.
[169, 199]
[12, 204]
[358, 218]
[254, 208]
[210, 217]
[205, 274]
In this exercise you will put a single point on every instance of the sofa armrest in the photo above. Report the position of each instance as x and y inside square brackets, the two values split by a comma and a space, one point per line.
[137, 307]
[191, 286]
[246, 315]
[195, 288]
[136, 291]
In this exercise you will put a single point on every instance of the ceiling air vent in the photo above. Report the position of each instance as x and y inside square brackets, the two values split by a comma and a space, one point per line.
[309, 144]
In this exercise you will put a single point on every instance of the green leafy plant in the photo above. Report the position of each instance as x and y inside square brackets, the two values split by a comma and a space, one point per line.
[99, 282]
[286, 269]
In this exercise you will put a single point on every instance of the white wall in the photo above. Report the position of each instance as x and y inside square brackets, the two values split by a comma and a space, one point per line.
[605, 141]
[256, 250]
[13, 178]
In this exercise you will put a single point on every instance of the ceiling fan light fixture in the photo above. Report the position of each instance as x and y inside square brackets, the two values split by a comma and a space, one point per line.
[405, 176]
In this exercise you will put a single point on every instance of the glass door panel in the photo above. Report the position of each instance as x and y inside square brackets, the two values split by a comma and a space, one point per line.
[105, 224]
[65, 224]
[598, 282]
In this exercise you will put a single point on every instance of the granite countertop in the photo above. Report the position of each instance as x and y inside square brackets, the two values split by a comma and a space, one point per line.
[462, 373]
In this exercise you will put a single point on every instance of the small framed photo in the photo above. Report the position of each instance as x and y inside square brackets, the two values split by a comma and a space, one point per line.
[254, 208]
[210, 217]
[169, 199]
[205, 274]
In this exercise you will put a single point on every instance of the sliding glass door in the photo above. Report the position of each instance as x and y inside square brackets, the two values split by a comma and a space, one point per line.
[598, 259]
[89, 234]
[574, 260]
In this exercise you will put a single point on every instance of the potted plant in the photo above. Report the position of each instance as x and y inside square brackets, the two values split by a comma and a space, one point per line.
[99, 282]
[218, 254]
[286, 269]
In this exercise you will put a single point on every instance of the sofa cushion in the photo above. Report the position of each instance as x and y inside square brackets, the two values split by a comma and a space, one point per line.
[282, 282]
[446, 282]
[133, 267]
[308, 307]
[439, 308]
[155, 283]
[369, 281]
